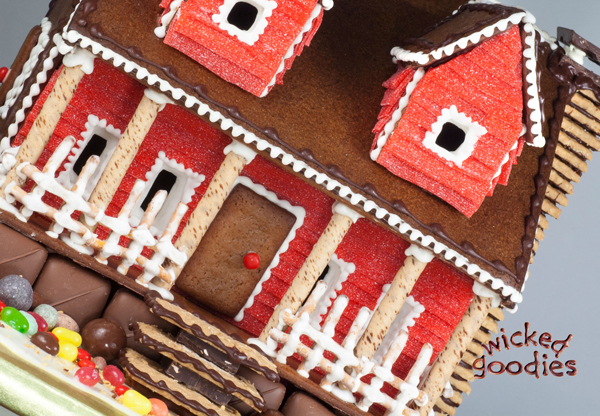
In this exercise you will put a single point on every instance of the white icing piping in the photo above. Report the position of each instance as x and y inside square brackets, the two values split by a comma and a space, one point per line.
[391, 125]
[157, 98]
[448, 390]
[297, 211]
[575, 53]
[529, 53]
[424, 256]
[80, 57]
[34, 91]
[240, 149]
[298, 166]
[161, 30]
[484, 292]
[339, 208]
[307, 26]
[265, 9]
[67, 177]
[28, 66]
[473, 131]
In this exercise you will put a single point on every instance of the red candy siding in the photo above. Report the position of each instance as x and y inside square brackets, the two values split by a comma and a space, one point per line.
[486, 85]
[251, 67]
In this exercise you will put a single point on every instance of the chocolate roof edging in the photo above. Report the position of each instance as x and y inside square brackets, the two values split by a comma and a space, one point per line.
[493, 274]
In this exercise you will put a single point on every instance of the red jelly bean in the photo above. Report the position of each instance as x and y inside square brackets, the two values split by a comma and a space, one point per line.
[3, 73]
[252, 261]
[86, 363]
[87, 376]
[159, 408]
[41, 322]
[113, 375]
[120, 390]
[2, 306]
[83, 354]
[54, 336]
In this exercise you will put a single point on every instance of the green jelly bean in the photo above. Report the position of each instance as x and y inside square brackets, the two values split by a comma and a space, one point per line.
[15, 319]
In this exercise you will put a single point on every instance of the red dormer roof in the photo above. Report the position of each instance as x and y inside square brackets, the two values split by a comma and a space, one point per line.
[254, 63]
[481, 88]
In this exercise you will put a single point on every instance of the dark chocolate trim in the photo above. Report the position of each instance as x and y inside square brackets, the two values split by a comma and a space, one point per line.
[466, 248]
[183, 358]
[569, 37]
[236, 355]
[161, 385]
[498, 11]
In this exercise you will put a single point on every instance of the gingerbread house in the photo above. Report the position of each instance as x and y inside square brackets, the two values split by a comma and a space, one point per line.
[124, 152]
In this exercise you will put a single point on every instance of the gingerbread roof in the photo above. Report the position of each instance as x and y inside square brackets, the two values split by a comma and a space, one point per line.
[318, 125]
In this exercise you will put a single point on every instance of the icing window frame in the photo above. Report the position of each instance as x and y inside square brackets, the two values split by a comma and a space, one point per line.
[473, 132]
[182, 190]
[264, 10]
[94, 127]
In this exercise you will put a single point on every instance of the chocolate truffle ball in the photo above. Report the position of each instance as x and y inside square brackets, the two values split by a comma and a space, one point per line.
[16, 291]
[103, 338]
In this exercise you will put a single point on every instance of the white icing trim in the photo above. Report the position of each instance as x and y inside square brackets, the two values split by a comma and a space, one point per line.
[165, 21]
[28, 66]
[183, 190]
[473, 132]
[158, 98]
[265, 9]
[575, 53]
[34, 91]
[297, 211]
[307, 26]
[93, 126]
[530, 56]
[327, 4]
[342, 209]
[421, 254]
[397, 115]
[80, 57]
[240, 149]
[407, 316]
[484, 292]
[448, 390]
[275, 152]
[505, 159]
[338, 273]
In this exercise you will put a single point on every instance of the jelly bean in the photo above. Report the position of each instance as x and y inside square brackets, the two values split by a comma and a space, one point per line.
[15, 319]
[86, 363]
[120, 390]
[41, 322]
[113, 375]
[33, 326]
[55, 337]
[159, 408]
[67, 351]
[2, 305]
[66, 335]
[83, 354]
[87, 376]
[49, 314]
[136, 402]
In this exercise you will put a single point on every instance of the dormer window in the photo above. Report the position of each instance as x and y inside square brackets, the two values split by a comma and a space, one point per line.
[246, 19]
[453, 136]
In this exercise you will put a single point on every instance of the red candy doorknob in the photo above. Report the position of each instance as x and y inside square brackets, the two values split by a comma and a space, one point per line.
[3, 74]
[252, 261]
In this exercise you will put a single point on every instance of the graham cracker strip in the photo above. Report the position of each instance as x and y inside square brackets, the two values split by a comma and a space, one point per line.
[311, 269]
[561, 183]
[147, 373]
[154, 338]
[574, 146]
[46, 121]
[389, 307]
[238, 351]
[589, 94]
[588, 122]
[571, 158]
[549, 208]
[555, 195]
[586, 137]
[126, 150]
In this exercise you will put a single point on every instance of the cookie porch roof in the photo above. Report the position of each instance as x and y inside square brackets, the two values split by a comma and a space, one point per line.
[319, 123]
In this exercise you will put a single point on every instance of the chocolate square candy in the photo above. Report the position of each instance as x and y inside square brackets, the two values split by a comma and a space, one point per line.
[19, 255]
[79, 292]
[125, 308]
[272, 392]
[301, 404]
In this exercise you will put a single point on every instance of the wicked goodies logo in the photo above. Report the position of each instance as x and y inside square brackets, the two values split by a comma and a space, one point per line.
[546, 355]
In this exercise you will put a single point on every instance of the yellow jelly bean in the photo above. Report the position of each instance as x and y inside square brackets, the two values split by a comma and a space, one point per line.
[66, 335]
[136, 402]
[67, 351]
